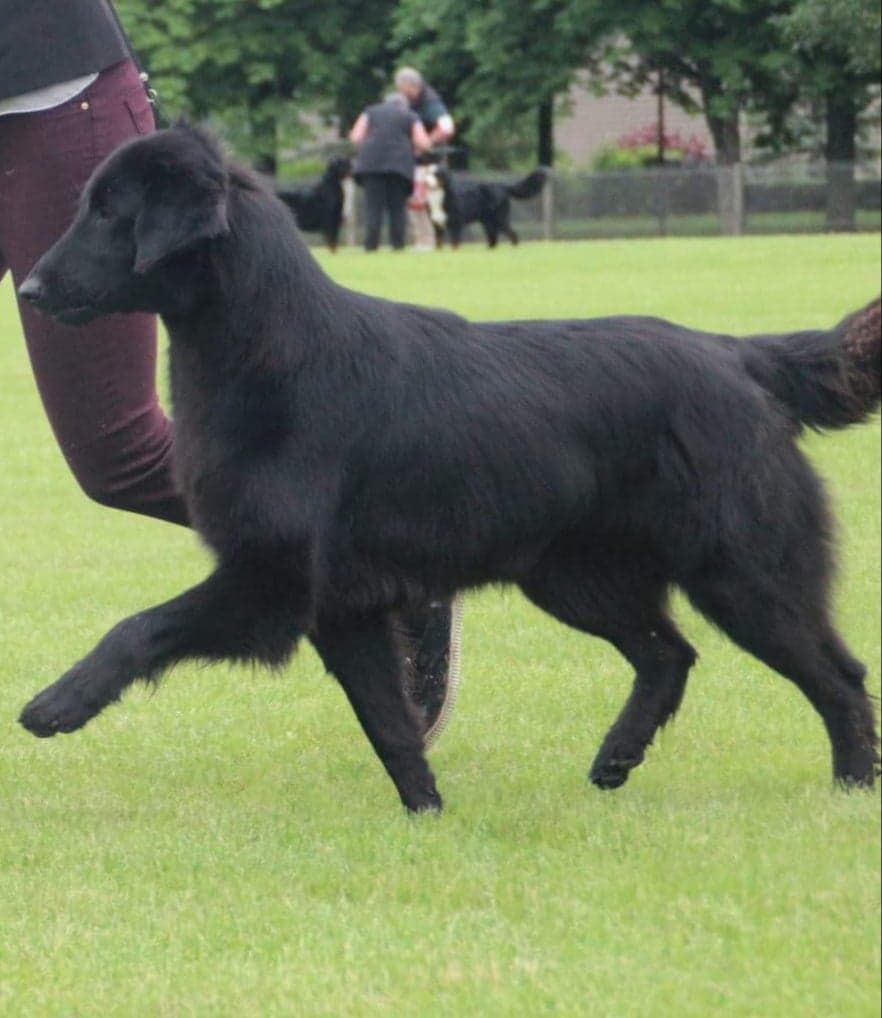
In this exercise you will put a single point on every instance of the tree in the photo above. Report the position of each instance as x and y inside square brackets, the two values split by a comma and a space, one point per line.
[505, 64]
[717, 56]
[840, 61]
[247, 61]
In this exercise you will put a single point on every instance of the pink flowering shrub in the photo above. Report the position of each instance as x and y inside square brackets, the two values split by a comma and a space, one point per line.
[639, 148]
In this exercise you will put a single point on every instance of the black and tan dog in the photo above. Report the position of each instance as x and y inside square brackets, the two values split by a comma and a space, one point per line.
[463, 201]
[347, 458]
[319, 209]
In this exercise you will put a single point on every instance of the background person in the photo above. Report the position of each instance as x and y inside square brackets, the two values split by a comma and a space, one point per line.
[388, 135]
[439, 125]
[427, 104]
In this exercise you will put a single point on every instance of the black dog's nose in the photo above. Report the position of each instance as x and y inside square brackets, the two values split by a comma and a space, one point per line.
[31, 290]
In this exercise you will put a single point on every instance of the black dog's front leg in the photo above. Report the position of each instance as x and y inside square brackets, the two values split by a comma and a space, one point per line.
[364, 657]
[237, 613]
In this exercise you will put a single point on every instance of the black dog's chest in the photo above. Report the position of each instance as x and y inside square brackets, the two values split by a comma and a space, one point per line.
[205, 473]
[224, 433]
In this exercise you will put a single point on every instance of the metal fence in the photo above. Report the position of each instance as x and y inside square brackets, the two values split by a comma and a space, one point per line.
[703, 201]
[697, 201]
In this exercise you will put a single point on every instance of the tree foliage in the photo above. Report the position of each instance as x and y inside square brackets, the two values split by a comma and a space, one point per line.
[721, 57]
[849, 29]
[249, 62]
[498, 64]
[837, 48]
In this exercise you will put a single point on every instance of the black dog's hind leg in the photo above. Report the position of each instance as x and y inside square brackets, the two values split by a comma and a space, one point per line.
[623, 603]
[782, 619]
[661, 659]
[364, 657]
[509, 231]
[251, 614]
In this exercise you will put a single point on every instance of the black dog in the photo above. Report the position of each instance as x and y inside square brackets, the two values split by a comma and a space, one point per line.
[347, 457]
[319, 209]
[468, 201]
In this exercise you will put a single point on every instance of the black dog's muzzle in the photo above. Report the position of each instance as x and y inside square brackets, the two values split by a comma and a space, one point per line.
[35, 292]
[32, 290]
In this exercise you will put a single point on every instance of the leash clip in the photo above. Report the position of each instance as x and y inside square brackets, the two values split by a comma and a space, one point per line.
[152, 94]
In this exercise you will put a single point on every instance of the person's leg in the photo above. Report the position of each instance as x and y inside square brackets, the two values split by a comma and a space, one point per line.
[374, 194]
[397, 192]
[432, 641]
[98, 382]
[421, 225]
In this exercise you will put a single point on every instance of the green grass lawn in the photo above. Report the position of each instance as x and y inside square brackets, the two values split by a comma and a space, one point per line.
[230, 846]
[685, 225]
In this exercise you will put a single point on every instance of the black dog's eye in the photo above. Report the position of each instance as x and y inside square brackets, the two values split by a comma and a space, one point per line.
[101, 206]
[102, 211]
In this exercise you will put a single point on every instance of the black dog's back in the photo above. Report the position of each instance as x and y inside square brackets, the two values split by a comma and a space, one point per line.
[347, 458]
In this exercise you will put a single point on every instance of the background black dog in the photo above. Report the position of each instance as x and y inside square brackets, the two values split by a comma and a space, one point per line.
[473, 201]
[347, 457]
[319, 209]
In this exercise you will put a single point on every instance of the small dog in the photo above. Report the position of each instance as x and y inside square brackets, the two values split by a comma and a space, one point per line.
[319, 209]
[455, 202]
[348, 459]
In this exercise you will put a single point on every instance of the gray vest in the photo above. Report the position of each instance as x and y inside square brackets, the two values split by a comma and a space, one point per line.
[388, 147]
[45, 42]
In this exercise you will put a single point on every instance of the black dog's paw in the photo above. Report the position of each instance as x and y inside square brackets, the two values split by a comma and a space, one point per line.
[612, 774]
[865, 783]
[59, 708]
[859, 767]
[609, 772]
[425, 802]
[613, 764]
[863, 780]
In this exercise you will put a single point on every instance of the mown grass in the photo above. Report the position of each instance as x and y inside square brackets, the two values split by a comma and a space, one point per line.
[229, 846]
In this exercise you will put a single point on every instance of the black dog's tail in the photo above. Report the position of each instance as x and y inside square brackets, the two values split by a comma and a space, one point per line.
[825, 379]
[530, 186]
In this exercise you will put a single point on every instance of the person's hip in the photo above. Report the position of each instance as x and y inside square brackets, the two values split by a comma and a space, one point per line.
[82, 130]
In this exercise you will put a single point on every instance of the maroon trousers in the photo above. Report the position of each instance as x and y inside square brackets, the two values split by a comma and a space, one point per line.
[97, 382]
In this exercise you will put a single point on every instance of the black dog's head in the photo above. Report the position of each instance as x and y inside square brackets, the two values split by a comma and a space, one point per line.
[150, 203]
[338, 168]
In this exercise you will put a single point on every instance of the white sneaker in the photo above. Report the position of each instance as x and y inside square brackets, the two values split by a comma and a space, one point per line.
[433, 672]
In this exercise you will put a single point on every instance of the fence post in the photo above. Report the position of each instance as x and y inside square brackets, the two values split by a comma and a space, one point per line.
[730, 198]
[660, 179]
[350, 212]
[548, 209]
[738, 198]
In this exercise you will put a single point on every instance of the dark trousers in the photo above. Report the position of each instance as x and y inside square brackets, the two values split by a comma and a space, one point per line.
[97, 382]
[385, 192]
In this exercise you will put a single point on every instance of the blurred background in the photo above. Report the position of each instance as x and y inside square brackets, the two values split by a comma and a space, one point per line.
[657, 116]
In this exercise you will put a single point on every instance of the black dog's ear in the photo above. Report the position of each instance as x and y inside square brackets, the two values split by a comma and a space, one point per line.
[176, 215]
